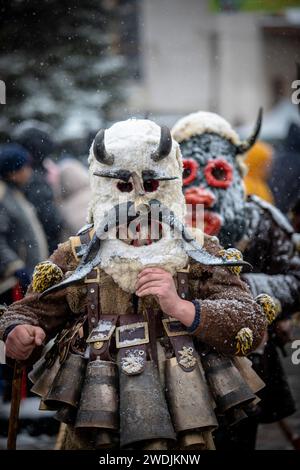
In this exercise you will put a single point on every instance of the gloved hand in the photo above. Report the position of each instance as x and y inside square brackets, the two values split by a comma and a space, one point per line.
[24, 278]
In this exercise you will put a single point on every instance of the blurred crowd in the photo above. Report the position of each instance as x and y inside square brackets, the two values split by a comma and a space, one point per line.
[44, 194]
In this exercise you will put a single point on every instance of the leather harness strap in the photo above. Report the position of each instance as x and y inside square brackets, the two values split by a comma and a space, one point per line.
[99, 337]
[183, 284]
[132, 338]
[155, 331]
[180, 339]
[101, 327]
[92, 281]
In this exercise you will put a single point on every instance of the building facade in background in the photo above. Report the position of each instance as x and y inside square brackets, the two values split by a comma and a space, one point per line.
[191, 57]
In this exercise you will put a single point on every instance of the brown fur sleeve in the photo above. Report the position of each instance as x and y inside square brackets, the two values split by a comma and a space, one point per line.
[51, 312]
[227, 306]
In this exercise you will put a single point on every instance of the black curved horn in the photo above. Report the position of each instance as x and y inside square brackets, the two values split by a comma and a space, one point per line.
[247, 144]
[99, 149]
[165, 145]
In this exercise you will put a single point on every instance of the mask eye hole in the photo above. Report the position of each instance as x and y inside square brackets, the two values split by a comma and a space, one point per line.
[218, 173]
[124, 187]
[190, 170]
[151, 185]
[186, 173]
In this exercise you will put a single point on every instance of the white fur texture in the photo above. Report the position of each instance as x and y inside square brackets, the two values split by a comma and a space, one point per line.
[201, 122]
[131, 143]
[124, 262]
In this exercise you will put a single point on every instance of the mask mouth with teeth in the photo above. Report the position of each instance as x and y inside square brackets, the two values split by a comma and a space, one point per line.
[137, 206]
[213, 172]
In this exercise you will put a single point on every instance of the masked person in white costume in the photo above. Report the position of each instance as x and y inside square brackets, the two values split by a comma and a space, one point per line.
[131, 311]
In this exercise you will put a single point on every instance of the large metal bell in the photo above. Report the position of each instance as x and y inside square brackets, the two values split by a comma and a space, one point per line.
[144, 414]
[37, 370]
[44, 382]
[98, 407]
[66, 414]
[189, 400]
[67, 385]
[235, 416]
[192, 440]
[244, 365]
[228, 387]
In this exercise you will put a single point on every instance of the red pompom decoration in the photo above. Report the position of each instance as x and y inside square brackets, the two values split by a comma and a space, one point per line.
[219, 173]
[190, 170]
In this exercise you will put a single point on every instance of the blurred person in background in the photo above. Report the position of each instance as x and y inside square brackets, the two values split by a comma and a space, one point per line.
[75, 194]
[259, 161]
[35, 138]
[285, 175]
[22, 239]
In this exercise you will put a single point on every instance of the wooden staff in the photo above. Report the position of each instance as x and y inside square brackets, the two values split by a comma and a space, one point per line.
[61, 436]
[15, 406]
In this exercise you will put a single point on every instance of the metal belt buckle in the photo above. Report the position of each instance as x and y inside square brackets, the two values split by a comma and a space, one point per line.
[135, 341]
[167, 322]
[184, 270]
[94, 279]
[97, 335]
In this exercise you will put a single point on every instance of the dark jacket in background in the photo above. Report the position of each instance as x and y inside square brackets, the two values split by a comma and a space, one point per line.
[41, 196]
[268, 245]
[22, 240]
[37, 140]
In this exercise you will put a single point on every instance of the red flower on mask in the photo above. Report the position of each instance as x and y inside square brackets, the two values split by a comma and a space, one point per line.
[190, 170]
[218, 173]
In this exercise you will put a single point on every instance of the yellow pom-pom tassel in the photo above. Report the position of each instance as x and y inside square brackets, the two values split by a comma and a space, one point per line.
[232, 254]
[45, 275]
[244, 341]
[270, 307]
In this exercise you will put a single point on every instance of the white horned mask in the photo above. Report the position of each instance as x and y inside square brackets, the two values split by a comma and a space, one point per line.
[136, 161]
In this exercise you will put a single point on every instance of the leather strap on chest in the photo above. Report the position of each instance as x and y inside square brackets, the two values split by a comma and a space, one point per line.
[100, 327]
[183, 284]
[132, 338]
[180, 339]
